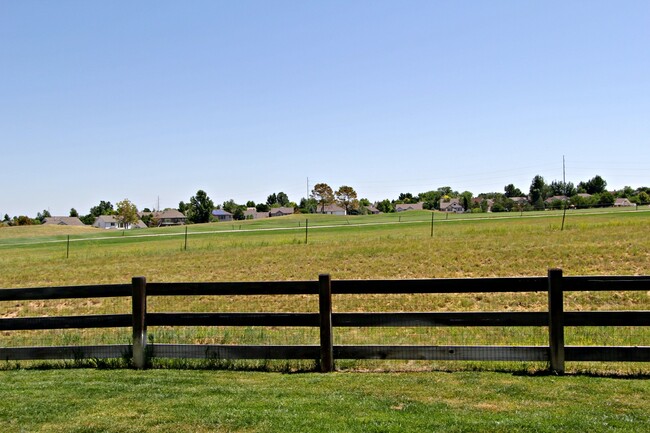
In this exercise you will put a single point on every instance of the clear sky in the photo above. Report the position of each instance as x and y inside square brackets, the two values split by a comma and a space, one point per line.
[148, 99]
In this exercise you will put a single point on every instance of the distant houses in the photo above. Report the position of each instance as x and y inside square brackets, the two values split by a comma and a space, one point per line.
[252, 214]
[281, 211]
[110, 222]
[165, 218]
[453, 205]
[63, 221]
[333, 209]
[403, 207]
[623, 202]
[221, 215]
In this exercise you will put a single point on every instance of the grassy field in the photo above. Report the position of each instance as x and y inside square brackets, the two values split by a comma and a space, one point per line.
[224, 401]
[430, 396]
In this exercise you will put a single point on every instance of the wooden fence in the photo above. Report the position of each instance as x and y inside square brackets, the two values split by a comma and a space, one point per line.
[556, 319]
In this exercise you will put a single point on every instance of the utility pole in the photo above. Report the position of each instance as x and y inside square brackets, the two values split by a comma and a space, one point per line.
[565, 191]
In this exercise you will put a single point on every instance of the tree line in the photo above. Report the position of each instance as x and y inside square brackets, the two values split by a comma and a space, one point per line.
[541, 195]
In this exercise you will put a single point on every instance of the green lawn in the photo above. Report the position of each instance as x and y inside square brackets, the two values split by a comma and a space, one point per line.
[81, 400]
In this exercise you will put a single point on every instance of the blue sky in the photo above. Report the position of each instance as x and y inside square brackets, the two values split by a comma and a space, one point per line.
[140, 100]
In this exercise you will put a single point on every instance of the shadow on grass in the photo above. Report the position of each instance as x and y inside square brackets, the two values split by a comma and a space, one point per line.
[302, 367]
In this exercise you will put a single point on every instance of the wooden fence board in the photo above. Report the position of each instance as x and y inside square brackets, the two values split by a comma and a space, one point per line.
[216, 351]
[607, 318]
[233, 319]
[68, 292]
[440, 319]
[66, 322]
[608, 353]
[606, 283]
[440, 285]
[444, 353]
[234, 288]
[64, 352]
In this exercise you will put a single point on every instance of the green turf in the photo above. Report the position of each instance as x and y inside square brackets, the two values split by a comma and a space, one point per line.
[81, 400]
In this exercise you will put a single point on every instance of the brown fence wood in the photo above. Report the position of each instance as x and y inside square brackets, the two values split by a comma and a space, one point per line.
[216, 351]
[325, 312]
[439, 319]
[66, 322]
[67, 292]
[233, 319]
[444, 353]
[440, 285]
[139, 303]
[65, 352]
[556, 320]
[606, 283]
[608, 353]
[607, 318]
[233, 288]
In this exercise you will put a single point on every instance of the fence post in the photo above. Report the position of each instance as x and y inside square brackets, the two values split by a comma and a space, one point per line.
[325, 310]
[139, 305]
[556, 320]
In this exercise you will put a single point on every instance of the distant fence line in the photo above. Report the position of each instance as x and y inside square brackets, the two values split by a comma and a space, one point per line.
[326, 353]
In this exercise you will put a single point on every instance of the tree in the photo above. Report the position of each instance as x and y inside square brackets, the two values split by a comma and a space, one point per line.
[200, 208]
[563, 188]
[466, 199]
[644, 198]
[308, 205]
[323, 194]
[23, 220]
[127, 213]
[538, 192]
[238, 213]
[103, 208]
[74, 213]
[272, 200]
[606, 199]
[40, 217]
[230, 206]
[283, 199]
[6, 218]
[595, 185]
[511, 191]
[430, 199]
[346, 197]
[182, 207]
[407, 198]
[385, 206]
[250, 203]
[262, 207]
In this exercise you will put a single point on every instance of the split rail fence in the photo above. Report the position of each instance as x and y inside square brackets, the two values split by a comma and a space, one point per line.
[555, 319]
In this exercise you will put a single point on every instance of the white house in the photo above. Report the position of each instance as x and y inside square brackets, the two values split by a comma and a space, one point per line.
[453, 205]
[110, 222]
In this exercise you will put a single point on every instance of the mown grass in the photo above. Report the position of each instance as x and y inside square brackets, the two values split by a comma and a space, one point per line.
[84, 400]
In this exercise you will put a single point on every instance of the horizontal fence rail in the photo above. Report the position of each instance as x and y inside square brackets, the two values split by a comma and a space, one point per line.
[556, 353]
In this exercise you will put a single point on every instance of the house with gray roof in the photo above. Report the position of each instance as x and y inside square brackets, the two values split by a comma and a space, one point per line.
[252, 214]
[165, 218]
[403, 207]
[333, 209]
[453, 205]
[63, 221]
[281, 211]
